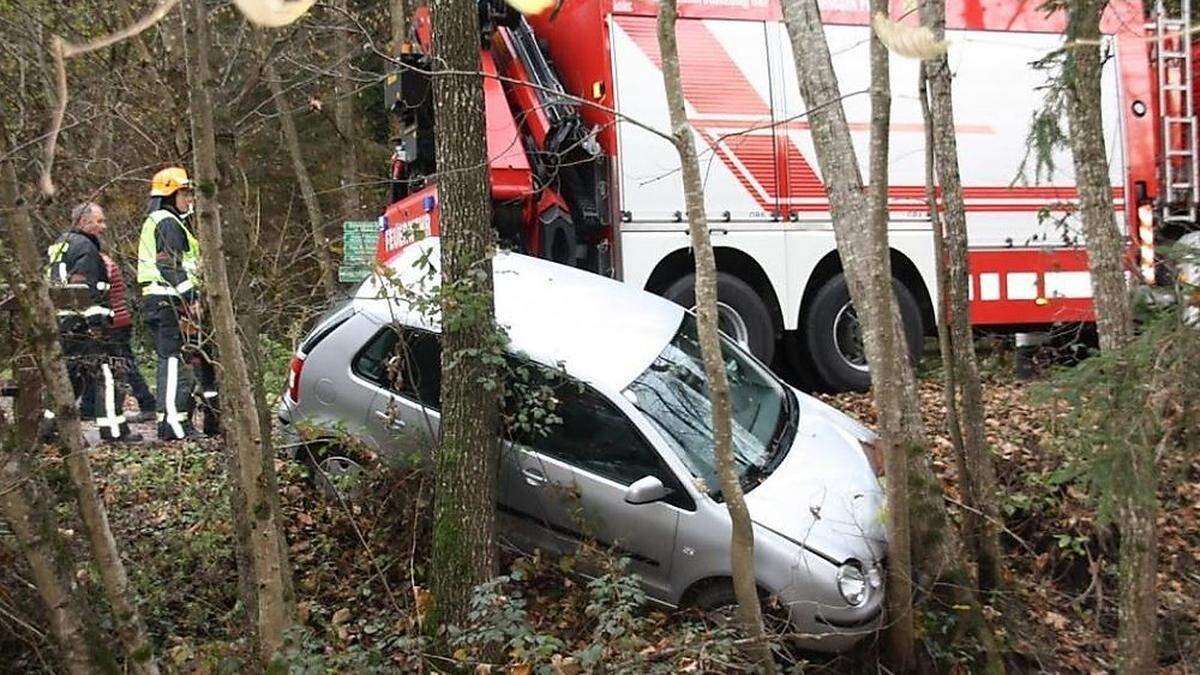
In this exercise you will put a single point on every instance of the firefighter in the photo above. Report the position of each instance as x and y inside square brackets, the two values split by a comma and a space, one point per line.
[168, 271]
[92, 363]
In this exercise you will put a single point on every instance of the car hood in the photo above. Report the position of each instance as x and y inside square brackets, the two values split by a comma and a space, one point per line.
[824, 495]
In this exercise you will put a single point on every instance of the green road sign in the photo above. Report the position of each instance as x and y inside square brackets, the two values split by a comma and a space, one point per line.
[358, 250]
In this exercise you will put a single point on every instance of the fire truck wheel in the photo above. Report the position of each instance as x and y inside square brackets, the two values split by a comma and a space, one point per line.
[742, 314]
[834, 339]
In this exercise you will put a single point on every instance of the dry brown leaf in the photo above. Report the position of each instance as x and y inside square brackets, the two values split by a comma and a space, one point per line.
[1058, 621]
[564, 665]
[423, 600]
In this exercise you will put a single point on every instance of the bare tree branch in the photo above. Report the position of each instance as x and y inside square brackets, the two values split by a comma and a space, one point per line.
[60, 51]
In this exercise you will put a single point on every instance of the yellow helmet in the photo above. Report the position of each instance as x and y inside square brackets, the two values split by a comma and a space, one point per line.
[167, 181]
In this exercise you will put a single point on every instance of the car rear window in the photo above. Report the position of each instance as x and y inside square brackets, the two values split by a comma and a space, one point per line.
[329, 321]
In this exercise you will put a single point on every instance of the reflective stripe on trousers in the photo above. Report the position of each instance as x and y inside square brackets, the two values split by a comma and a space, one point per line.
[159, 289]
[114, 418]
[94, 310]
[172, 416]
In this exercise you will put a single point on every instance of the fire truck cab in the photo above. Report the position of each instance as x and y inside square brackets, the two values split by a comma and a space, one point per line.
[582, 173]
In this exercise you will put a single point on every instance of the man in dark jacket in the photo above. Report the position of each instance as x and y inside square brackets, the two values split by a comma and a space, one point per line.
[75, 258]
[168, 271]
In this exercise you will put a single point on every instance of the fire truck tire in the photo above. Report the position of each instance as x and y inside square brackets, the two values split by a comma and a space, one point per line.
[830, 333]
[743, 314]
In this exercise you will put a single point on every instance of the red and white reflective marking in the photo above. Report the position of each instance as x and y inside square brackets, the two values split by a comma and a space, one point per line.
[1019, 286]
[1146, 242]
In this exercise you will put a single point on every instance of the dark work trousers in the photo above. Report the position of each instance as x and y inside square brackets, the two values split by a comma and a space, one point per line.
[202, 354]
[174, 378]
[94, 369]
[123, 349]
[80, 350]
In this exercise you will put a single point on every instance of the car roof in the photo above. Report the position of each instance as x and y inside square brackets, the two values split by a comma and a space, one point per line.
[601, 331]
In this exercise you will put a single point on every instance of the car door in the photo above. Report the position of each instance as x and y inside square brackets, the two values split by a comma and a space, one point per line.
[404, 365]
[585, 464]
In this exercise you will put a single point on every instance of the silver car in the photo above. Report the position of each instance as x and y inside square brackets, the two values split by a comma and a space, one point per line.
[628, 460]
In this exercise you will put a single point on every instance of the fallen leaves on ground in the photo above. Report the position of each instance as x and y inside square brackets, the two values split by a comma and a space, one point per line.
[360, 570]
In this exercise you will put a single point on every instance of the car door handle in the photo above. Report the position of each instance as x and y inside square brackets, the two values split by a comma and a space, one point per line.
[534, 477]
[392, 421]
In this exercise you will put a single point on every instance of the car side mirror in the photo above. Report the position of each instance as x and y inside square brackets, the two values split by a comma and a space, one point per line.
[645, 490]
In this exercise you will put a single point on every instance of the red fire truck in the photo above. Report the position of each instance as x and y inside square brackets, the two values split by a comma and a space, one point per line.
[581, 174]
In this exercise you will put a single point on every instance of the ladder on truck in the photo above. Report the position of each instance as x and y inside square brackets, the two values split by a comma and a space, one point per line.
[1180, 168]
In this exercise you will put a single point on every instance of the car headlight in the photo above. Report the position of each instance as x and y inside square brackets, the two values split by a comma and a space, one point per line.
[853, 584]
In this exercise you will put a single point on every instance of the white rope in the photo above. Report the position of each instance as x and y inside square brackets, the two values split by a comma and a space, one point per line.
[914, 42]
[273, 13]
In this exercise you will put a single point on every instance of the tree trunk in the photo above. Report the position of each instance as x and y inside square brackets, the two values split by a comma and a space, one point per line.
[1114, 320]
[233, 196]
[964, 392]
[1105, 242]
[316, 220]
[900, 636]
[244, 268]
[30, 518]
[343, 114]
[398, 10]
[28, 281]
[239, 255]
[742, 546]
[866, 259]
[465, 498]
[256, 479]
[1138, 568]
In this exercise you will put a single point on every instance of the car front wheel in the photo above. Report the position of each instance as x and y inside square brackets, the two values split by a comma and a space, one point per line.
[718, 602]
[332, 470]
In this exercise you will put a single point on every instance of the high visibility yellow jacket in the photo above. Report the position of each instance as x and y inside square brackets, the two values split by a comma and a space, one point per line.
[168, 257]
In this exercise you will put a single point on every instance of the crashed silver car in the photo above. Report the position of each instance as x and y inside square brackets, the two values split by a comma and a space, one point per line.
[628, 462]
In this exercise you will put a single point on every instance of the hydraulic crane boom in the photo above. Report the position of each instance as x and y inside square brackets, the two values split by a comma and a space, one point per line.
[549, 176]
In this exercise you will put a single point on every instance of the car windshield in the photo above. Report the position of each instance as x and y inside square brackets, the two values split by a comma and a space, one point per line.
[673, 394]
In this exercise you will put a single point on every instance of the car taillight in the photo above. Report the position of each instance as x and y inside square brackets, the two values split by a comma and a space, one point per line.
[293, 385]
